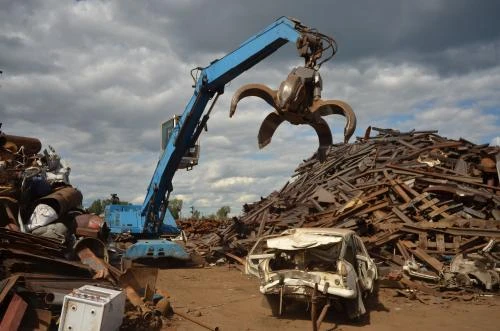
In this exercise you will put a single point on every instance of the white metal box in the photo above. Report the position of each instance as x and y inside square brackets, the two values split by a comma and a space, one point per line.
[92, 308]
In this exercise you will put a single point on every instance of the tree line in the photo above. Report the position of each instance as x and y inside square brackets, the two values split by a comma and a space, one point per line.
[174, 205]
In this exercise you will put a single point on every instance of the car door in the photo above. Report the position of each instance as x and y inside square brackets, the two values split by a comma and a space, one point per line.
[367, 270]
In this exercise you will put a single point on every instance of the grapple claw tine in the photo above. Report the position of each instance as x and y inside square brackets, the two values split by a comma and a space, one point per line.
[256, 90]
[267, 129]
[337, 107]
[325, 137]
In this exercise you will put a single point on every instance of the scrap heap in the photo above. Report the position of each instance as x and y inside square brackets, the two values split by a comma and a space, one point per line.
[410, 195]
[43, 253]
[49, 246]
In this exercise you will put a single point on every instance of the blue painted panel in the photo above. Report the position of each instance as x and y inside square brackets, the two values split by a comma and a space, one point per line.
[127, 218]
[124, 218]
[251, 52]
[156, 249]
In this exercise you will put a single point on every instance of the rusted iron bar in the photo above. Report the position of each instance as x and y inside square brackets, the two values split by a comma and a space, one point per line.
[314, 308]
[208, 327]
[322, 315]
[14, 314]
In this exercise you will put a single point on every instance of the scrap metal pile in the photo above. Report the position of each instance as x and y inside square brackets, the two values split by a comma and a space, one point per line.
[422, 203]
[49, 246]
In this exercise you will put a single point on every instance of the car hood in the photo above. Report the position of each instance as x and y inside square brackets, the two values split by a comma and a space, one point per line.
[298, 241]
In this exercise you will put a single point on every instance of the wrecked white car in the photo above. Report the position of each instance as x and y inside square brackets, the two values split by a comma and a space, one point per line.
[311, 265]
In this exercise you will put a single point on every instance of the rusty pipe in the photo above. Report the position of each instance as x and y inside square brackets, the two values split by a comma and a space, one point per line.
[314, 307]
[54, 298]
[147, 313]
[31, 145]
[63, 200]
[322, 315]
[163, 306]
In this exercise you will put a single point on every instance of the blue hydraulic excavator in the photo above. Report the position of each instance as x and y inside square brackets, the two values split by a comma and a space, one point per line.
[298, 101]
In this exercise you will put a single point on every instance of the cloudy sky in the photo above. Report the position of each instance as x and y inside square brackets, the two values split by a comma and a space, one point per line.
[95, 79]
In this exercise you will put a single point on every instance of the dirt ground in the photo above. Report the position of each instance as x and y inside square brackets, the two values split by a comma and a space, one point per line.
[223, 297]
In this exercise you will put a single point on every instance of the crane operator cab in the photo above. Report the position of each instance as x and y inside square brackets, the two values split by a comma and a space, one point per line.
[190, 158]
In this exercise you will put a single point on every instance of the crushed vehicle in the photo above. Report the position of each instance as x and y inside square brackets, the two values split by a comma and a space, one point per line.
[325, 265]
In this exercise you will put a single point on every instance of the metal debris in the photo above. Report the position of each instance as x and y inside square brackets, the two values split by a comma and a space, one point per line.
[416, 198]
[48, 245]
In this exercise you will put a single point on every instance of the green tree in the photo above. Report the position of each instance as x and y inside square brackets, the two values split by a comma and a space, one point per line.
[96, 207]
[223, 212]
[195, 213]
[175, 207]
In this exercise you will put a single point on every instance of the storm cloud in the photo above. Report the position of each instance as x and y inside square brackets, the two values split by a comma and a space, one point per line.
[95, 79]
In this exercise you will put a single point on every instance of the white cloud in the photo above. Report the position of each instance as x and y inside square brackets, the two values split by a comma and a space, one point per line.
[233, 181]
[248, 198]
[107, 74]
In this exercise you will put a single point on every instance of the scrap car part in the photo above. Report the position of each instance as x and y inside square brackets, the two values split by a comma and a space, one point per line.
[413, 270]
[476, 268]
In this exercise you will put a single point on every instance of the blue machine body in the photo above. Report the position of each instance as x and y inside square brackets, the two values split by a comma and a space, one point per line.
[156, 249]
[127, 218]
[152, 219]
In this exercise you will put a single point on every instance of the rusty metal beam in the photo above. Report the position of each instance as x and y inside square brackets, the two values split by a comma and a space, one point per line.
[12, 318]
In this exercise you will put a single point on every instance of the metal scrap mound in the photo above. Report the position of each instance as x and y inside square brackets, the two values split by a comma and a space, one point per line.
[427, 207]
[49, 246]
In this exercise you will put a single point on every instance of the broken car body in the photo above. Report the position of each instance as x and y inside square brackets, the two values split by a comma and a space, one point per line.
[293, 264]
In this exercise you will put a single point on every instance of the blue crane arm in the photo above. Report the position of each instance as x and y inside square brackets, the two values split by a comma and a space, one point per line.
[211, 80]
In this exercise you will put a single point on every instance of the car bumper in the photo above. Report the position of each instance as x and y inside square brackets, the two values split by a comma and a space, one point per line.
[304, 287]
